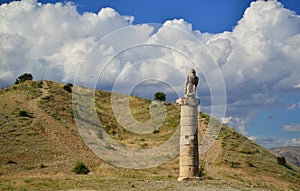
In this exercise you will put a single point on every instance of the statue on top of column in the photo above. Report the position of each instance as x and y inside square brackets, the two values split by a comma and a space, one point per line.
[191, 84]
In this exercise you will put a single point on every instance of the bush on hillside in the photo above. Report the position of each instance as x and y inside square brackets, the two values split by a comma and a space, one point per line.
[23, 78]
[23, 113]
[281, 161]
[81, 168]
[160, 96]
[68, 87]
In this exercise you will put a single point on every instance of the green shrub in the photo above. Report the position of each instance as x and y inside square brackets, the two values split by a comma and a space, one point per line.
[281, 161]
[144, 145]
[80, 168]
[11, 162]
[249, 152]
[234, 164]
[160, 96]
[250, 164]
[156, 131]
[201, 169]
[43, 166]
[23, 78]
[23, 113]
[40, 84]
[68, 87]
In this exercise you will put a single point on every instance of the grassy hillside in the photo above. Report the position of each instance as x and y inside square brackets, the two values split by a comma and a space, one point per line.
[236, 159]
[40, 145]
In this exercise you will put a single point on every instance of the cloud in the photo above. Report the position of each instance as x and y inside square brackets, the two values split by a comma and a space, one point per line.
[291, 107]
[259, 59]
[292, 127]
[296, 141]
[265, 140]
[226, 120]
[237, 123]
[252, 138]
[296, 86]
[46, 38]
[274, 141]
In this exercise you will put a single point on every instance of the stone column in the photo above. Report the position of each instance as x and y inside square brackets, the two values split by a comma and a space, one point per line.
[189, 154]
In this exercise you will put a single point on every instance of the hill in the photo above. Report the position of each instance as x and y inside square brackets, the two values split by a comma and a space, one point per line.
[291, 154]
[40, 145]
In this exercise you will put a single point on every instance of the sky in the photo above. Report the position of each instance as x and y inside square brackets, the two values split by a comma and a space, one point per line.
[246, 53]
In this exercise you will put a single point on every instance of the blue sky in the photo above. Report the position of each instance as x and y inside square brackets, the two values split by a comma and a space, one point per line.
[258, 58]
[207, 16]
[212, 16]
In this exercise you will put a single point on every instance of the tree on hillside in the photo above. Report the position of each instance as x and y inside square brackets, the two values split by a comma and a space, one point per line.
[160, 96]
[23, 78]
[68, 87]
[281, 161]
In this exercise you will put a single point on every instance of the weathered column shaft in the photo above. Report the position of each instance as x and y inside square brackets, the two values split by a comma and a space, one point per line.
[189, 154]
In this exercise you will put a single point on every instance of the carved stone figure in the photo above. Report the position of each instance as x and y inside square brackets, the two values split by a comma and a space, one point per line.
[191, 84]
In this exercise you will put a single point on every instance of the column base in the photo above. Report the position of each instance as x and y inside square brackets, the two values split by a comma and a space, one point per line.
[181, 178]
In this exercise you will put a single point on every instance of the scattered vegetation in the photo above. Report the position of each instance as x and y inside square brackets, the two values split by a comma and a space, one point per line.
[58, 104]
[248, 152]
[40, 84]
[81, 168]
[234, 164]
[233, 159]
[250, 164]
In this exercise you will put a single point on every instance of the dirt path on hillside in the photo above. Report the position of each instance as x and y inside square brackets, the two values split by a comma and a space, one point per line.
[70, 144]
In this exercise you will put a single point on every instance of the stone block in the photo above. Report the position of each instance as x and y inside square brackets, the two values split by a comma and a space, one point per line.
[188, 140]
[189, 161]
[189, 121]
[188, 171]
[189, 151]
[189, 111]
[188, 130]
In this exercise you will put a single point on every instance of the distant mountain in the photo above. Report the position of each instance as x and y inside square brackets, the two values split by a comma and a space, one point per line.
[291, 154]
[40, 143]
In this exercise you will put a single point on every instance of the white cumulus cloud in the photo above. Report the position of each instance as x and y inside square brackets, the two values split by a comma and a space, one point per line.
[259, 60]
[49, 39]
